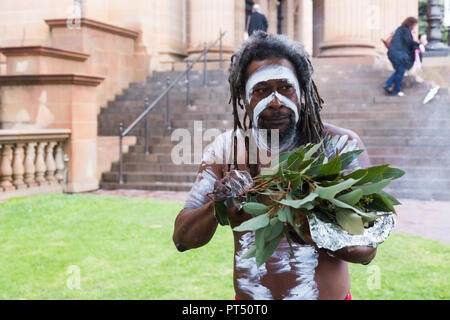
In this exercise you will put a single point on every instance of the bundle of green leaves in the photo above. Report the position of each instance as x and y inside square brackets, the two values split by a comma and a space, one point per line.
[304, 181]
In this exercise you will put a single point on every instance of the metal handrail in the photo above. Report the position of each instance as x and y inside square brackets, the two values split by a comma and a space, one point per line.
[149, 107]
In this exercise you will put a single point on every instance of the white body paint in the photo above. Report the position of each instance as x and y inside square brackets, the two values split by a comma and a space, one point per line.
[302, 265]
[250, 280]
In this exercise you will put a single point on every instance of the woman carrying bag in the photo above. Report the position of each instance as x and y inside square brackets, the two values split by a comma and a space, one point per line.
[401, 53]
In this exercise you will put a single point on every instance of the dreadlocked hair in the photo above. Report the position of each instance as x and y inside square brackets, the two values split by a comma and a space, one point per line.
[261, 46]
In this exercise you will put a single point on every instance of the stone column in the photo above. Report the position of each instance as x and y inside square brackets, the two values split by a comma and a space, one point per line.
[205, 20]
[305, 24]
[6, 168]
[434, 34]
[18, 167]
[30, 155]
[347, 29]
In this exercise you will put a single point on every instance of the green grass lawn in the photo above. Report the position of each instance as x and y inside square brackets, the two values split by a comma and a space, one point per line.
[122, 248]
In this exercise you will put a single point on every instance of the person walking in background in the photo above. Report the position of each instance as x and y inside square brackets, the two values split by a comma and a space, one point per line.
[256, 21]
[401, 53]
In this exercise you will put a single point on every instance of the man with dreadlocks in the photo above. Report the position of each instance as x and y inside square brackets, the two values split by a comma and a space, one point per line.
[270, 79]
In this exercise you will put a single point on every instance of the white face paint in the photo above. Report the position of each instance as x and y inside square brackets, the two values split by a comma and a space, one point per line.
[262, 105]
[271, 72]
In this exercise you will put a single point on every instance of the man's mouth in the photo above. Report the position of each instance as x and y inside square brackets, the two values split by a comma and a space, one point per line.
[276, 121]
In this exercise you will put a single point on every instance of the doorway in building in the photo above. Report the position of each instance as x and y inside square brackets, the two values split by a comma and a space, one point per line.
[280, 6]
[248, 12]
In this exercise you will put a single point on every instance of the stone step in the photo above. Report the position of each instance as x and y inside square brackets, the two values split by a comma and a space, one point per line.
[166, 186]
[417, 109]
[162, 158]
[422, 183]
[439, 141]
[408, 193]
[430, 151]
[409, 132]
[150, 176]
[409, 161]
[394, 123]
[155, 167]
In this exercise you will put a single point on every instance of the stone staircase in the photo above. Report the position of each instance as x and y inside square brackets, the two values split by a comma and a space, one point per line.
[156, 171]
[396, 130]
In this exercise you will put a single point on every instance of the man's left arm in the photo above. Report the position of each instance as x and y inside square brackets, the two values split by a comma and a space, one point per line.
[356, 254]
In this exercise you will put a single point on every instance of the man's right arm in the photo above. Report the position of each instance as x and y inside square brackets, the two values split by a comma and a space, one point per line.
[194, 227]
[196, 224]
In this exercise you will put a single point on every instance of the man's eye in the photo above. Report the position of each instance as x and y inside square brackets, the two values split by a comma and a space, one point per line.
[286, 88]
[261, 90]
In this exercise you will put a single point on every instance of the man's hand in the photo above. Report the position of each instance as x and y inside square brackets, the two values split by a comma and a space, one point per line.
[233, 185]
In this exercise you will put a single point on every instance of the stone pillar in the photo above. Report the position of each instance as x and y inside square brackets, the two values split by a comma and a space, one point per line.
[305, 24]
[434, 34]
[205, 20]
[346, 29]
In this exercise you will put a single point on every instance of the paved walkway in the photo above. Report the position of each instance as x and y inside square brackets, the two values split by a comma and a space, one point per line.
[429, 219]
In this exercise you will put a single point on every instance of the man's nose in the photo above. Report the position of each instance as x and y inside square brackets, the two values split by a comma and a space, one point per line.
[275, 103]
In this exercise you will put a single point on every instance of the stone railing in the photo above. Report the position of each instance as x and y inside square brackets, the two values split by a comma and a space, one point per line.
[32, 161]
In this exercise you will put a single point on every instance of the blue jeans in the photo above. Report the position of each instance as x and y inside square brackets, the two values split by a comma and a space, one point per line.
[397, 77]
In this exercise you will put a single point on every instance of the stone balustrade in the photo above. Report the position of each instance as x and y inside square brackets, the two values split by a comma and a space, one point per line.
[32, 161]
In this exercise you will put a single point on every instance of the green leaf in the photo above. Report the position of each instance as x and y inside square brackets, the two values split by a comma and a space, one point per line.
[352, 197]
[255, 208]
[345, 206]
[350, 221]
[390, 197]
[285, 215]
[312, 150]
[373, 187]
[281, 213]
[305, 165]
[369, 217]
[294, 161]
[268, 250]
[348, 157]
[357, 175]
[282, 158]
[329, 192]
[299, 203]
[273, 230]
[250, 253]
[315, 166]
[331, 168]
[381, 203]
[393, 173]
[295, 178]
[253, 224]
[259, 240]
[221, 213]
[373, 173]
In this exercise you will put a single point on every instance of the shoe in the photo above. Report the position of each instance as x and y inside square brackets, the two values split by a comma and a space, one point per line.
[388, 90]
[400, 94]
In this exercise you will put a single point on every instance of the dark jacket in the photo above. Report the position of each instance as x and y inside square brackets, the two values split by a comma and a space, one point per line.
[402, 48]
[257, 22]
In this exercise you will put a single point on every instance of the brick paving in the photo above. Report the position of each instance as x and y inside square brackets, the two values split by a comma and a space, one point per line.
[429, 219]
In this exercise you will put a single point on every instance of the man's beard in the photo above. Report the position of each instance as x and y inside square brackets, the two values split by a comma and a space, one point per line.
[283, 139]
